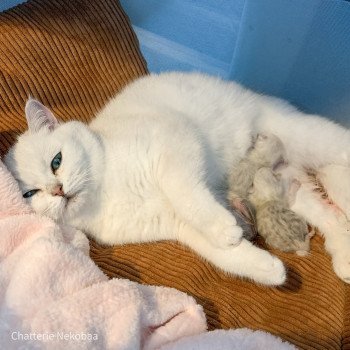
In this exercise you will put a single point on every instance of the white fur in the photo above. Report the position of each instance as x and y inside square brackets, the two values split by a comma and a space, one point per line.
[152, 163]
[337, 181]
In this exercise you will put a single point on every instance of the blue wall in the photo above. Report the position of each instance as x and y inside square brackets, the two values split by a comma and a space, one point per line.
[295, 49]
[6, 4]
[187, 34]
[299, 50]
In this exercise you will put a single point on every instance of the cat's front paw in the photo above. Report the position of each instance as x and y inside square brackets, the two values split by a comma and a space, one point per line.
[228, 237]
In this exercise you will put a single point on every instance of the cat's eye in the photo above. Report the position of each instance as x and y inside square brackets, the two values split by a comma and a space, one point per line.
[56, 162]
[30, 193]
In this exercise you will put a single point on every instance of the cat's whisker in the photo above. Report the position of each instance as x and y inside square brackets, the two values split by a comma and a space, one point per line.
[80, 181]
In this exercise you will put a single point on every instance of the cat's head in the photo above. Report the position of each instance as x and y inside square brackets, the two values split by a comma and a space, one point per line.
[56, 165]
[268, 149]
[266, 186]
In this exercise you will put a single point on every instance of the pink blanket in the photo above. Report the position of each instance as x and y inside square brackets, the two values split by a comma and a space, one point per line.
[53, 296]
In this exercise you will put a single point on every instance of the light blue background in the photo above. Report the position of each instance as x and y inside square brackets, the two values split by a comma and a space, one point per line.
[5, 4]
[295, 49]
[187, 34]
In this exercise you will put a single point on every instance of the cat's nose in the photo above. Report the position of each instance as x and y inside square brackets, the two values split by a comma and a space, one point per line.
[58, 191]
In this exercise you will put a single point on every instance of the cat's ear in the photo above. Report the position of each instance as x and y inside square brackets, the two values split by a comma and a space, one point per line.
[38, 116]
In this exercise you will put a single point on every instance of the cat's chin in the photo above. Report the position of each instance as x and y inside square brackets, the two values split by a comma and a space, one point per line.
[71, 200]
[67, 208]
[73, 205]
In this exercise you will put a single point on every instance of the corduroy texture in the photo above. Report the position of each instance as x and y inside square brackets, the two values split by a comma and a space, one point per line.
[310, 311]
[71, 55]
[74, 56]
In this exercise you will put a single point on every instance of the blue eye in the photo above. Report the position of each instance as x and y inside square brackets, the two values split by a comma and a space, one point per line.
[56, 162]
[30, 193]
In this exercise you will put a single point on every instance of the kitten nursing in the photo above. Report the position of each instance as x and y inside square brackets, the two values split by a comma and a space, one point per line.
[267, 150]
[152, 165]
[281, 227]
[253, 182]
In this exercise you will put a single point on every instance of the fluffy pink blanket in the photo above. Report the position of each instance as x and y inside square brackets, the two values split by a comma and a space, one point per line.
[52, 295]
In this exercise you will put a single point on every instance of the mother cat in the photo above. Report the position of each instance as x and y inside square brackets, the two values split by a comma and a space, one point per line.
[152, 165]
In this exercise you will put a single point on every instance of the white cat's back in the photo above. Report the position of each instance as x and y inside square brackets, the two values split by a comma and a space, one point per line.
[206, 102]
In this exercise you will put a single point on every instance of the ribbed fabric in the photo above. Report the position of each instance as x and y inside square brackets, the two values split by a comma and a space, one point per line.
[312, 311]
[72, 55]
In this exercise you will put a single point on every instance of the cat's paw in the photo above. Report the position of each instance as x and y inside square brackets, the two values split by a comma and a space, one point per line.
[262, 267]
[270, 271]
[227, 237]
[341, 265]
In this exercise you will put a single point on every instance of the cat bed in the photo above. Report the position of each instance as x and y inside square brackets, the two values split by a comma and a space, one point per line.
[74, 56]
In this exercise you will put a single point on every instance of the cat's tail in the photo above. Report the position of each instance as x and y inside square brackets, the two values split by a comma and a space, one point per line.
[244, 260]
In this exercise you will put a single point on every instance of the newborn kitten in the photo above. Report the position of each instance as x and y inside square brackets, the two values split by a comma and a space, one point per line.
[268, 151]
[277, 224]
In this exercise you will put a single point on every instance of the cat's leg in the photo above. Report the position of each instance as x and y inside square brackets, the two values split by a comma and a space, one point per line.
[195, 204]
[310, 141]
[332, 224]
[163, 223]
[244, 260]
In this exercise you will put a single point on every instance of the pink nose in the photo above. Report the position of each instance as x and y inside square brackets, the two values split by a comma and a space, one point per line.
[57, 191]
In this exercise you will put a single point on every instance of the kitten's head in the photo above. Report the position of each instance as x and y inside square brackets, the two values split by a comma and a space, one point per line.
[268, 149]
[266, 186]
[56, 165]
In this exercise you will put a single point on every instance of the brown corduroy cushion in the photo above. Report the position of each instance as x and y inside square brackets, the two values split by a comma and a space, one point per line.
[74, 56]
[310, 311]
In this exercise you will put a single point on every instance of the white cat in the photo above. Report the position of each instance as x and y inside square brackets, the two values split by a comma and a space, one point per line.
[152, 164]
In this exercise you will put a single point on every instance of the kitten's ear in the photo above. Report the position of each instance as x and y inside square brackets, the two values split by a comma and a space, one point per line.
[38, 116]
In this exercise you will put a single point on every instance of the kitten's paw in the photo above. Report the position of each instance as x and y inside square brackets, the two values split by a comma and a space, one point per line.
[341, 265]
[228, 237]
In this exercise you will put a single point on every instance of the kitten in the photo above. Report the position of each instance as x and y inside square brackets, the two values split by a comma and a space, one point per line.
[277, 224]
[152, 164]
[267, 150]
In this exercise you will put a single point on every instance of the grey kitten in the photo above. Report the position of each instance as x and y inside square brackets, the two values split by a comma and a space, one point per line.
[267, 150]
[277, 224]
